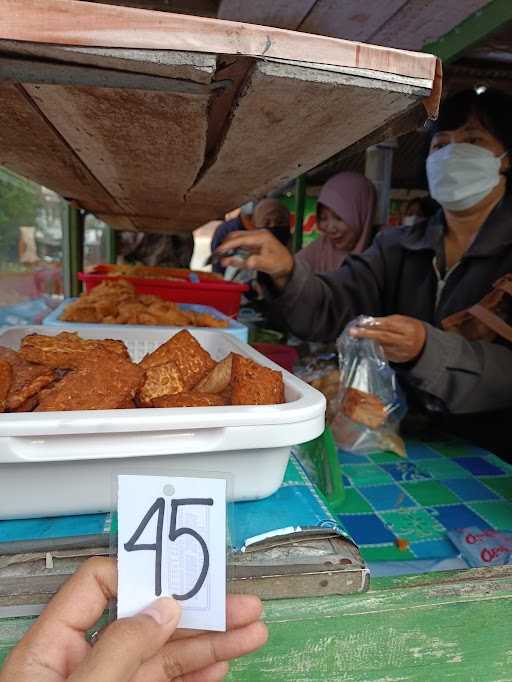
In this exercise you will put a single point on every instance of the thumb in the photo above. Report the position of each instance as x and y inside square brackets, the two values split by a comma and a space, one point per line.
[126, 644]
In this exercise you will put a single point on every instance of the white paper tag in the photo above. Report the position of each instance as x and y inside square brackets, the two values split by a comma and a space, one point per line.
[172, 542]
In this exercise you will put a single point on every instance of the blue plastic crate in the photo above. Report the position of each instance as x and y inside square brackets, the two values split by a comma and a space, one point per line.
[236, 328]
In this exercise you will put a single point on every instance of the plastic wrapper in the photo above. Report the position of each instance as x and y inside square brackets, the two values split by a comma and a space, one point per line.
[370, 403]
[483, 546]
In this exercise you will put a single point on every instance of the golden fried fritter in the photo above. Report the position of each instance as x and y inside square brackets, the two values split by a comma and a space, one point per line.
[218, 380]
[253, 384]
[193, 362]
[189, 400]
[67, 350]
[160, 380]
[105, 382]
[5, 383]
[116, 302]
[27, 379]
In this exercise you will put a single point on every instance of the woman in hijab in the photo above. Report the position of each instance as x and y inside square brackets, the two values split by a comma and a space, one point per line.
[344, 217]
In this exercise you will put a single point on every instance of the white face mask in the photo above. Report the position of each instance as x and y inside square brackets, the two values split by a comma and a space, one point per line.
[460, 175]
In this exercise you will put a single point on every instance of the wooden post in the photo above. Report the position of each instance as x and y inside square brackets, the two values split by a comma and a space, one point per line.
[111, 245]
[300, 199]
[73, 251]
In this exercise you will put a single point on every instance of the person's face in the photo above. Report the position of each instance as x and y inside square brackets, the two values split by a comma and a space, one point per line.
[473, 132]
[340, 234]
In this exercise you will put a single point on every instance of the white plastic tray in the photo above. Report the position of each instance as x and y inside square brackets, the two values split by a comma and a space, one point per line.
[61, 462]
[234, 327]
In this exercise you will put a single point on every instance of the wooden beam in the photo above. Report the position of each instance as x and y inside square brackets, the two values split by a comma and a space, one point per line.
[32, 71]
[489, 18]
[192, 66]
[74, 23]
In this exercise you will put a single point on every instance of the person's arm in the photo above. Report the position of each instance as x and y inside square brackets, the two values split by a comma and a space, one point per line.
[466, 376]
[318, 307]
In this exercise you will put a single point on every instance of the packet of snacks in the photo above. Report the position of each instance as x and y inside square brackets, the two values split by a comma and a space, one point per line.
[371, 404]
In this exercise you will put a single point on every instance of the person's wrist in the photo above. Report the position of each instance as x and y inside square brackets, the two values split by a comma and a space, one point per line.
[283, 276]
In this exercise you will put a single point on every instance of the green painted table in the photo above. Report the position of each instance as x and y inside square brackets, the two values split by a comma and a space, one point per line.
[448, 626]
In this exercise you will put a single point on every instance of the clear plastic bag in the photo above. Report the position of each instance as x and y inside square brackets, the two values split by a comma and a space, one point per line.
[370, 402]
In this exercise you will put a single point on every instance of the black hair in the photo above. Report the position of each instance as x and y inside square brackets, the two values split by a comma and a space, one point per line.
[427, 205]
[492, 108]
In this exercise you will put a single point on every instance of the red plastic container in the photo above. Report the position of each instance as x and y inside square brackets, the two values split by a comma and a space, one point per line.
[224, 296]
[285, 356]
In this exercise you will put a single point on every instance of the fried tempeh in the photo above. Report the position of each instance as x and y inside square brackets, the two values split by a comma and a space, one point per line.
[27, 378]
[160, 380]
[107, 381]
[253, 384]
[363, 408]
[193, 362]
[189, 400]
[67, 350]
[5, 383]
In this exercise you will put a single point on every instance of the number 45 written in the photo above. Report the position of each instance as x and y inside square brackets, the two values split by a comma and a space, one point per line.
[158, 507]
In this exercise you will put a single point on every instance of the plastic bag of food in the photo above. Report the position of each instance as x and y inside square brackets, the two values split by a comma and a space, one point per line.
[370, 402]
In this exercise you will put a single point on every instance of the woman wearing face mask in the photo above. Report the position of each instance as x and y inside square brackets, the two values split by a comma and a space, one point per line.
[345, 208]
[412, 279]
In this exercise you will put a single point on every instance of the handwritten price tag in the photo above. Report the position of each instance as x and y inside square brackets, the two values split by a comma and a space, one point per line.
[172, 542]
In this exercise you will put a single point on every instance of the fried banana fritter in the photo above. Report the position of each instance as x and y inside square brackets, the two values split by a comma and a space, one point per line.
[219, 379]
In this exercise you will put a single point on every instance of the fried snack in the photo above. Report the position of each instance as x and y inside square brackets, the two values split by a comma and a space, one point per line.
[189, 400]
[67, 350]
[160, 380]
[219, 379]
[27, 379]
[115, 301]
[105, 382]
[5, 383]
[363, 408]
[30, 404]
[207, 320]
[193, 362]
[253, 384]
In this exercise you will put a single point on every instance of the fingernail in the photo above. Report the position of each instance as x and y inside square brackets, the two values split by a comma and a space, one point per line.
[163, 610]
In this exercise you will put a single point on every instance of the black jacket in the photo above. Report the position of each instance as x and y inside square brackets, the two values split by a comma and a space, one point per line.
[398, 275]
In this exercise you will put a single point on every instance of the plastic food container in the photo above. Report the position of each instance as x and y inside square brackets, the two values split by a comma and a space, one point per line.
[224, 296]
[58, 463]
[236, 328]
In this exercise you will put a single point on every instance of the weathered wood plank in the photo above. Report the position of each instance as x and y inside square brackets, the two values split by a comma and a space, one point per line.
[31, 147]
[194, 66]
[450, 632]
[422, 21]
[79, 23]
[278, 13]
[146, 148]
[351, 19]
[267, 130]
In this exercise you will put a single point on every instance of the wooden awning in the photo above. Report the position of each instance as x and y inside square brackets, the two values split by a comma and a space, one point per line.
[158, 122]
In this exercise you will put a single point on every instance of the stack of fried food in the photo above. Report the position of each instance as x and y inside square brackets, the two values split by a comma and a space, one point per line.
[115, 301]
[65, 372]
